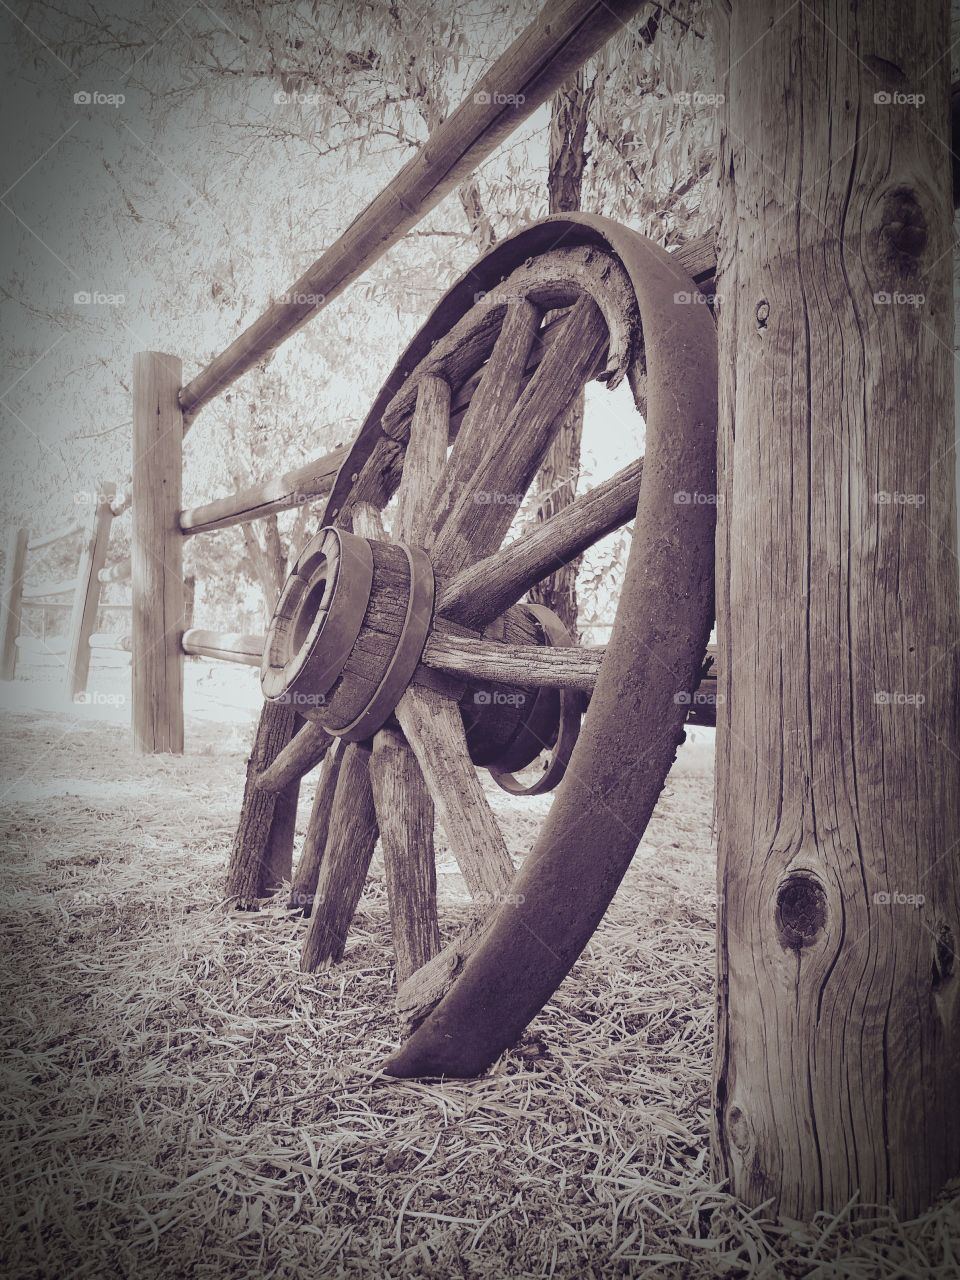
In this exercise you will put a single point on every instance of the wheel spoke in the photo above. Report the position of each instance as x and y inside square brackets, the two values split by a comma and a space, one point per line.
[351, 839]
[496, 394]
[423, 460]
[302, 753]
[520, 665]
[483, 510]
[433, 726]
[489, 587]
[308, 866]
[405, 815]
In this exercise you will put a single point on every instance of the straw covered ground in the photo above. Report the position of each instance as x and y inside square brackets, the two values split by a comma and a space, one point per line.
[180, 1101]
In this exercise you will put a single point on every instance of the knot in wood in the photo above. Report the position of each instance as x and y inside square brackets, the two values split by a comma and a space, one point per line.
[801, 911]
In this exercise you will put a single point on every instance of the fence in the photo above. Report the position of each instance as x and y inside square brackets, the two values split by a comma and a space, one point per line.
[539, 61]
[84, 591]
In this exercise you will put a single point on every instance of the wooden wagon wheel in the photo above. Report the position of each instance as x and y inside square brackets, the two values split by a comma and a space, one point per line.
[390, 642]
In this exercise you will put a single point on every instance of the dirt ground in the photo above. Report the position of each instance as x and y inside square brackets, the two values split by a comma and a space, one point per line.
[179, 1100]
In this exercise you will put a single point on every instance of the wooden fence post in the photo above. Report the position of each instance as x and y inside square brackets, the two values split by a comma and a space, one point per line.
[12, 592]
[157, 554]
[86, 601]
[837, 1067]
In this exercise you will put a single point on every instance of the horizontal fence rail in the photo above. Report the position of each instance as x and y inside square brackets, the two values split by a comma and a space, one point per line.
[313, 480]
[538, 62]
[58, 535]
[227, 646]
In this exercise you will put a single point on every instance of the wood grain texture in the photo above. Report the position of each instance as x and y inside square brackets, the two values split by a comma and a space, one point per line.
[423, 460]
[488, 587]
[86, 602]
[14, 567]
[302, 753]
[484, 509]
[157, 554]
[351, 839]
[433, 727]
[518, 665]
[263, 841]
[311, 855]
[838, 1051]
[405, 814]
[405, 810]
[499, 386]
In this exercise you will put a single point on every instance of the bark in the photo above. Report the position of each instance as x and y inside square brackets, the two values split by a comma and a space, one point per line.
[557, 480]
[838, 804]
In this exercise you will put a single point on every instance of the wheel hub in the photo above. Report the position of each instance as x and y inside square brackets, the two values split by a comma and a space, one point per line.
[347, 636]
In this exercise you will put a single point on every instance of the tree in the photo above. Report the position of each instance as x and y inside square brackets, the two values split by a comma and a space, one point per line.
[838, 804]
[557, 481]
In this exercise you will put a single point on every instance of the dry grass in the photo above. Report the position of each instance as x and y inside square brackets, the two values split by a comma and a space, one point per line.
[181, 1101]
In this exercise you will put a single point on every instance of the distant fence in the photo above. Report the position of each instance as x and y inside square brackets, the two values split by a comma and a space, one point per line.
[80, 596]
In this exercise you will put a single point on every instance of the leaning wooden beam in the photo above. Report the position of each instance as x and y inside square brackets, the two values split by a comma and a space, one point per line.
[86, 602]
[119, 572]
[486, 589]
[283, 493]
[301, 754]
[13, 571]
[307, 873]
[541, 59]
[225, 646]
[351, 839]
[262, 847]
[518, 664]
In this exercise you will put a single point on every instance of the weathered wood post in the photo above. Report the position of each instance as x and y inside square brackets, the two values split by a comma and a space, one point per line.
[838, 794]
[86, 601]
[157, 554]
[13, 572]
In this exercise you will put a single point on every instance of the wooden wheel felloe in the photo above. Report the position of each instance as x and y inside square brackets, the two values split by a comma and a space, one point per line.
[400, 629]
